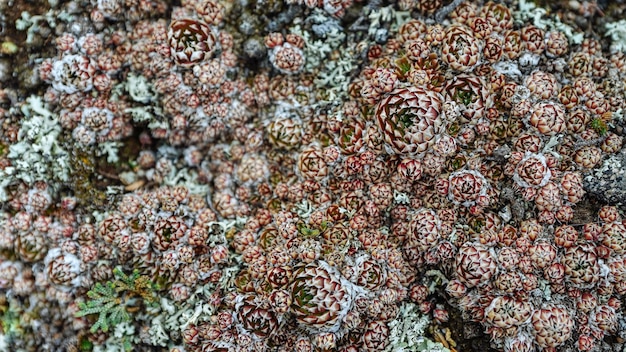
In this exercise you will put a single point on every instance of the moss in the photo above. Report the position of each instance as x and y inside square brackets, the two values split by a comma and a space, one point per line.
[85, 345]
[599, 126]
[92, 175]
[83, 166]
[403, 66]
[10, 319]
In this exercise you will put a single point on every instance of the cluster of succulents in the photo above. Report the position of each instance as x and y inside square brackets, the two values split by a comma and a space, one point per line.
[540, 286]
[253, 213]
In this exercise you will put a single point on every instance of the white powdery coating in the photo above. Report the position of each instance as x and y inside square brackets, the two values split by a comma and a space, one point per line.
[529, 59]
[110, 8]
[68, 259]
[72, 73]
[102, 117]
[287, 58]
[252, 169]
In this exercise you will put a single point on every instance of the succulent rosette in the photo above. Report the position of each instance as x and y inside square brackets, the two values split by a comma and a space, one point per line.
[552, 326]
[475, 265]
[461, 50]
[472, 95]
[321, 297]
[256, 317]
[410, 119]
[469, 188]
[532, 171]
[191, 41]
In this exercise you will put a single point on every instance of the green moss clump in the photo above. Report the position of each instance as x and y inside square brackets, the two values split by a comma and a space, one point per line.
[83, 167]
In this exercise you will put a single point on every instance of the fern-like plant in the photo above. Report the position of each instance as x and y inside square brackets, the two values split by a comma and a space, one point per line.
[114, 301]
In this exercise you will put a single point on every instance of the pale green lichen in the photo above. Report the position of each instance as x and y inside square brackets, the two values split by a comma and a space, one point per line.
[407, 332]
[38, 154]
[8, 48]
[193, 311]
[330, 37]
[325, 54]
[618, 115]
[122, 339]
[150, 114]
[33, 23]
[188, 178]
[617, 32]
[401, 197]
[383, 15]
[529, 12]
[110, 149]
[4, 345]
[304, 209]
[139, 89]
[335, 77]
[177, 316]
[158, 336]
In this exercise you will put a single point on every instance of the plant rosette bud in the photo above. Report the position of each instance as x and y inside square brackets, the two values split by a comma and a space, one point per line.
[191, 41]
[410, 119]
[532, 171]
[469, 188]
[552, 326]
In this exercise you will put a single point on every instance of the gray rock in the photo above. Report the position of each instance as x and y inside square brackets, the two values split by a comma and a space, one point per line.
[608, 182]
[254, 49]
